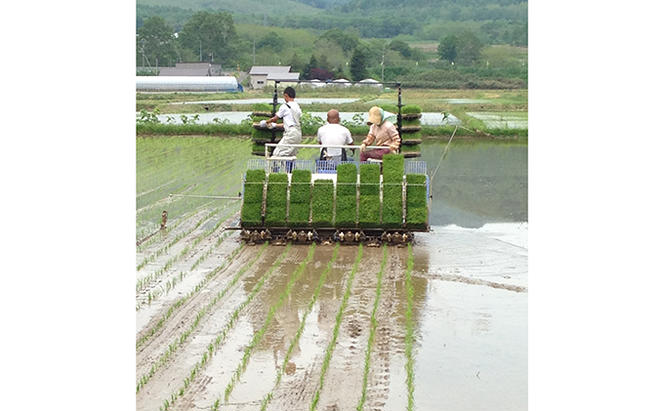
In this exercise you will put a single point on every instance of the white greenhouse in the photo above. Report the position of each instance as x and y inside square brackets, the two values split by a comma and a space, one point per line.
[187, 83]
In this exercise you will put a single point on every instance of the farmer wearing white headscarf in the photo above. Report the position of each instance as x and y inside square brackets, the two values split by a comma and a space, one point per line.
[381, 133]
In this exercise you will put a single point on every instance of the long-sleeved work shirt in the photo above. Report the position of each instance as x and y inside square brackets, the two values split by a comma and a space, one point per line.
[385, 134]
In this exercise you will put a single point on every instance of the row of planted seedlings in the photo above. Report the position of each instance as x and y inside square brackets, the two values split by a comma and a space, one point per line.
[217, 172]
[226, 211]
[169, 284]
[221, 336]
[180, 340]
[303, 203]
[178, 170]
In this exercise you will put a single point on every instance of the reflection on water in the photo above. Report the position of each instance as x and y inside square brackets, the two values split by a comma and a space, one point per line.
[471, 338]
[477, 183]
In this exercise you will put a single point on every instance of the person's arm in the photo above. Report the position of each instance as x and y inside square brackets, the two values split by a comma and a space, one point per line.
[279, 114]
[367, 141]
[395, 140]
[349, 138]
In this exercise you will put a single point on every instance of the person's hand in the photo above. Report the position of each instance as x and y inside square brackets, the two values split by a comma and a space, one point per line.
[363, 147]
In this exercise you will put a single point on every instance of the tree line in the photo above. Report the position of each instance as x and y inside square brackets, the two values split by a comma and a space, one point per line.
[212, 36]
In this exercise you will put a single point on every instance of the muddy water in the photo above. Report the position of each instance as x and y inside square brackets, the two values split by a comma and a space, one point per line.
[477, 183]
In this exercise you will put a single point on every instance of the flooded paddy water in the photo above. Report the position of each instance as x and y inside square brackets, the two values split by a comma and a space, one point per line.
[327, 327]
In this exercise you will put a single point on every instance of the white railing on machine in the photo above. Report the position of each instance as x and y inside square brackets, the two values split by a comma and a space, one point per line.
[319, 166]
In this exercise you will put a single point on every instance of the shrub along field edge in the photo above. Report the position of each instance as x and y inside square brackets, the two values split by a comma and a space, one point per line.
[222, 130]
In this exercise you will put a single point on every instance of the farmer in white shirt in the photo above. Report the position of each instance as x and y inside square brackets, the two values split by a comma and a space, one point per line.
[333, 134]
[290, 111]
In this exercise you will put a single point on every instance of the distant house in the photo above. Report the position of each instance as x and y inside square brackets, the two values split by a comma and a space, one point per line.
[259, 74]
[284, 79]
[191, 69]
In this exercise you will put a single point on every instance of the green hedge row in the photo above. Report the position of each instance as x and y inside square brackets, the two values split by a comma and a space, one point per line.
[369, 211]
[416, 201]
[300, 198]
[275, 203]
[252, 203]
[323, 203]
[346, 209]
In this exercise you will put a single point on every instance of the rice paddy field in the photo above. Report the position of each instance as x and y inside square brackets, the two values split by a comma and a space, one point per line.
[438, 324]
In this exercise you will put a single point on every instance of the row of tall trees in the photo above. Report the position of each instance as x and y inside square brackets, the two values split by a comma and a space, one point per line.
[205, 36]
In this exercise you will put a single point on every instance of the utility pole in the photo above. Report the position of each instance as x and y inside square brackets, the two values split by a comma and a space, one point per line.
[254, 51]
[200, 49]
[382, 68]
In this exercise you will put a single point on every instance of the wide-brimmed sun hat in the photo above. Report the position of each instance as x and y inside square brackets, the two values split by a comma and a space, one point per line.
[376, 115]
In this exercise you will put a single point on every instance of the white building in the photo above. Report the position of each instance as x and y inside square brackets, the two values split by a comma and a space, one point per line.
[284, 79]
[259, 74]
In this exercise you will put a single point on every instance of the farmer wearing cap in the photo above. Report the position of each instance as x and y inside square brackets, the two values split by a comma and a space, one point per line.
[381, 133]
[291, 112]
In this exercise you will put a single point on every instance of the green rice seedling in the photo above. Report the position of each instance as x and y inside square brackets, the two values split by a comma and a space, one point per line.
[175, 344]
[372, 331]
[258, 336]
[221, 337]
[393, 168]
[405, 137]
[275, 204]
[171, 283]
[252, 204]
[416, 201]
[390, 107]
[322, 208]
[393, 171]
[300, 198]
[410, 331]
[411, 149]
[335, 332]
[177, 238]
[209, 251]
[369, 210]
[411, 108]
[293, 343]
[410, 122]
[346, 203]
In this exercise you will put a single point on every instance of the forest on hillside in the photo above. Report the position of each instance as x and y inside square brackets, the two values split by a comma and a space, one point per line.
[471, 43]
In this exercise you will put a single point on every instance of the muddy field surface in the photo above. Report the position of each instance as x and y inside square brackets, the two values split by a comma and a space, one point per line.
[441, 324]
